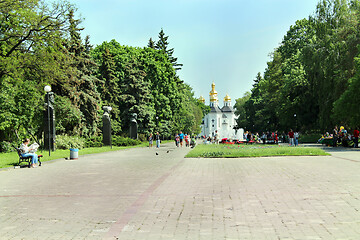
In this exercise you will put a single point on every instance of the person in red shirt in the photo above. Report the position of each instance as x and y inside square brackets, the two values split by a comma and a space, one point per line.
[356, 137]
[291, 137]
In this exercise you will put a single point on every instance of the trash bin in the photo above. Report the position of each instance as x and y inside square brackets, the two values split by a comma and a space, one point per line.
[74, 153]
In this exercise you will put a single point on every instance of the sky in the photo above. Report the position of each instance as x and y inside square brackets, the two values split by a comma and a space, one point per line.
[222, 41]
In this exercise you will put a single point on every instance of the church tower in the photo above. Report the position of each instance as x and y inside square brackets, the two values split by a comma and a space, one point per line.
[214, 101]
[202, 99]
[227, 101]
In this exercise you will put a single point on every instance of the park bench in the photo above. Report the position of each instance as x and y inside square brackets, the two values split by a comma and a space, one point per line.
[27, 159]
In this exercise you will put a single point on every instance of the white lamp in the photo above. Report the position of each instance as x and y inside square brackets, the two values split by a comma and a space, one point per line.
[47, 88]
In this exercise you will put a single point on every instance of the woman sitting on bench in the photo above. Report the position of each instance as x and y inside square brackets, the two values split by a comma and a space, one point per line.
[26, 152]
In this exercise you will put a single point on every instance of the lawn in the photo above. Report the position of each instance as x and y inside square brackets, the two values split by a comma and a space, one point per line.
[12, 158]
[238, 151]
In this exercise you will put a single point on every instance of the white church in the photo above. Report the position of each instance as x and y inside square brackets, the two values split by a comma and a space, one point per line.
[222, 120]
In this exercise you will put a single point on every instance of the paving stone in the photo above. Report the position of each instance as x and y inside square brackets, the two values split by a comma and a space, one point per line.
[136, 194]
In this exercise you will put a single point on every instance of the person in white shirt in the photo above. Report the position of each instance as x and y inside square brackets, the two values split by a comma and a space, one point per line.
[296, 138]
[25, 152]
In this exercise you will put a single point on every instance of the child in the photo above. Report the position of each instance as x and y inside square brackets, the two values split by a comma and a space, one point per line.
[187, 143]
[150, 140]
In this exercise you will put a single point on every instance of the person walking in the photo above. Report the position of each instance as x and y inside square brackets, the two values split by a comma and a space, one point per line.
[157, 138]
[335, 136]
[216, 138]
[356, 138]
[177, 140]
[296, 138]
[187, 140]
[291, 137]
[151, 140]
[181, 135]
[263, 138]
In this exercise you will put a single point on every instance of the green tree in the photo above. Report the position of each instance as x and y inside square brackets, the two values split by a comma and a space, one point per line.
[240, 110]
[151, 44]
[135, 96]
[149, 87]
[254, 118]
[271, 86]
[163, 45]
[329, 58]
[346, 107]
[109, 88]
[31, 56]
[81, 85]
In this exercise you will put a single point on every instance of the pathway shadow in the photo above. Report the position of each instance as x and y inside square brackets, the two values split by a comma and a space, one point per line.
[20, 166]
[332, 149]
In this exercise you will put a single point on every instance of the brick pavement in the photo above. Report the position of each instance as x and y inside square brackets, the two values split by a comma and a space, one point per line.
[135, 194]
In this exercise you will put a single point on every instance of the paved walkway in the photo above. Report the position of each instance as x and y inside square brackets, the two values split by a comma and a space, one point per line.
[136, 194]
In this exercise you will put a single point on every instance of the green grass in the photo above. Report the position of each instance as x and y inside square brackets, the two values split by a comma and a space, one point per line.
[12, 159]
[238, 151]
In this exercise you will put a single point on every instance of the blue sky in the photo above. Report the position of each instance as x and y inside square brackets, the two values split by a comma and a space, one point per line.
[225, 41]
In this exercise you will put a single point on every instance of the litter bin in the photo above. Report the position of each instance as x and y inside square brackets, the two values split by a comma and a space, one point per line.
[74, 153]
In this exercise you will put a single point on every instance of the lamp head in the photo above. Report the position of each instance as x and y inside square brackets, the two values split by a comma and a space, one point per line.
[107, 109]
[47, 88]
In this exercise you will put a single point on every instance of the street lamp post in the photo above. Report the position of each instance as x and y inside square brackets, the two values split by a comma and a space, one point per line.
[47, 89]
[295, 122]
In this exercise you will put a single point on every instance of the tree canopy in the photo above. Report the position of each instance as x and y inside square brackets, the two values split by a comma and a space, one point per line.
[41, 44]
[311, 83]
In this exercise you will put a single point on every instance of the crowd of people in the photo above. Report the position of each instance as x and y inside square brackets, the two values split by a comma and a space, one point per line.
[292, 137]
[181, 139]
[338, 136]
[342, 136]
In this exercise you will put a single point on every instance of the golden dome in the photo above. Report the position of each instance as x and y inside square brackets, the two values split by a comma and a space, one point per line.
[213, 93]
[202, 99]
[227, 98]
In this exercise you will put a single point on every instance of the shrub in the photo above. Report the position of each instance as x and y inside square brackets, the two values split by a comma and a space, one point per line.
[122, 141]
[6, 147]
[142, 137]
[94, 142]
[309, 138]
[67, 142]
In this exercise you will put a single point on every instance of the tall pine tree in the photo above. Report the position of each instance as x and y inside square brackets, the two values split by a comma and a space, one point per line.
[109, 88]
[162, 44]
[82, 82]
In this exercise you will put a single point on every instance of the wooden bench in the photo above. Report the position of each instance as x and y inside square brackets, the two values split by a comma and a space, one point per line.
[27, 159]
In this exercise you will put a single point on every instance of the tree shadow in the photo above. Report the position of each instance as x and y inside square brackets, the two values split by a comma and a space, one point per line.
[331, 148]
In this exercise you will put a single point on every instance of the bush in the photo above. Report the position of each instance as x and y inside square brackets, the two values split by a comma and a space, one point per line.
[122, 141]
[309, 138]
[142, 137]
[67, 142]
[6, 147]
[94, 142]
